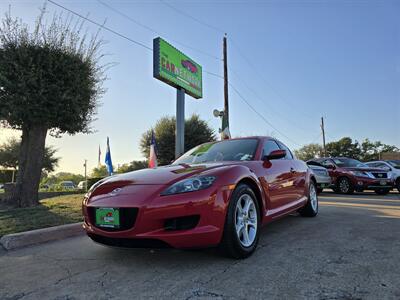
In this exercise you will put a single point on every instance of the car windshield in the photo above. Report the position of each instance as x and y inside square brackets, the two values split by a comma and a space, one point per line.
[228, 150]
[394, 163]
[349, 163]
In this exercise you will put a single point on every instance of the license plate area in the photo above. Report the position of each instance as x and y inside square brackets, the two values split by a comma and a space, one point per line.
[383, 182]
[107, 217]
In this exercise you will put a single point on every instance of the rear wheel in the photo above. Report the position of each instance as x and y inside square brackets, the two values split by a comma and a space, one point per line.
[344, 186]
[242, 224]
[382, 191]
[311, 208]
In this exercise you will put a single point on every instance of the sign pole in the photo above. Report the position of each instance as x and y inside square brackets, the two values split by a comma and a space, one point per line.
[180, 123]
[226, 101]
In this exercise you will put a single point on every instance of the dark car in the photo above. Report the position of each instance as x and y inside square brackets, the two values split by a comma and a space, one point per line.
[349, 175]
[217, 194]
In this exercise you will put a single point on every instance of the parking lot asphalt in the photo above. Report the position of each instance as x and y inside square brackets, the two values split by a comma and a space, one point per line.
[350, 251]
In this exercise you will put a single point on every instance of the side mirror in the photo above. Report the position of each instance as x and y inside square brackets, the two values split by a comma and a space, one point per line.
[330, 167]
[276, 154]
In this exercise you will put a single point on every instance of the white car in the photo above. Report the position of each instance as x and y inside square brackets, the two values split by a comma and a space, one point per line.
[392, 166]
[82, 185]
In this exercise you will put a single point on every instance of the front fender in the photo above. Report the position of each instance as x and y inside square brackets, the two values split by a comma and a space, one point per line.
[230, 176]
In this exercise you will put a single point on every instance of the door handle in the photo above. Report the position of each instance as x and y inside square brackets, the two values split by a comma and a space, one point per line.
[292, 170]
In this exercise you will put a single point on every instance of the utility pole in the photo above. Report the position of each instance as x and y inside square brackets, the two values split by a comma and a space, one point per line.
[85, 165]
[224, 114]
[226, 102]
[323, 135]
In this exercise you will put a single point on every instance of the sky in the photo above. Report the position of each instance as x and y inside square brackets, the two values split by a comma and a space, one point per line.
[291, 61]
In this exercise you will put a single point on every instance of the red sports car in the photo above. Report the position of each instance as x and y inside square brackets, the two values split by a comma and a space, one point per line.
[217, 194]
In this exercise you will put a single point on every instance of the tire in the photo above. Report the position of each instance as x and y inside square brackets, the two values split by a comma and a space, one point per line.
[235, 242]
[398, 184]
[311, 207]
[344, 186]
[382, 191]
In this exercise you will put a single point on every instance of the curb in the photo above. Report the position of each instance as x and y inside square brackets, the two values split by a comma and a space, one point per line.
[38, 236]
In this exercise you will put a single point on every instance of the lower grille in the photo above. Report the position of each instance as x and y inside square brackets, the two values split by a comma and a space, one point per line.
[128, 243]
[181, 223]
[127, 218]
[379, 175]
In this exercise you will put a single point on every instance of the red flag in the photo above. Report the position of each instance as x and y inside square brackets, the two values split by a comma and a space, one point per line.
[153, 150]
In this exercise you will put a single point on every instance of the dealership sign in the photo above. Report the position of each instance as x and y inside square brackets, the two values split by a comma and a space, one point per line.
[176, 69]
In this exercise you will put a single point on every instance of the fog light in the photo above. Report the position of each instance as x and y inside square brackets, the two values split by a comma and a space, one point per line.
[360, 183]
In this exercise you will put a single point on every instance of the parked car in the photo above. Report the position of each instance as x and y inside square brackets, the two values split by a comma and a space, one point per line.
[67, 185]
[392, 166]
[218, 193]
[349, 175]
[82, 185]
[321, 175]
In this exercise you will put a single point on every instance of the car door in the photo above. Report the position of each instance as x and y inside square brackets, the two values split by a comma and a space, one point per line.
[276, 178]
[332, 169]
[298, 173]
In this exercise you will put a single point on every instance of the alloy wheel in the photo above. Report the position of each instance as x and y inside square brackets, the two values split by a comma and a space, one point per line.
[246, 220]
[313, 197]
[344, 185]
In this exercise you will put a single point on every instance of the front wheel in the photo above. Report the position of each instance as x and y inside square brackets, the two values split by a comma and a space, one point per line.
[311, 207]
[242, 224]
[344, 186]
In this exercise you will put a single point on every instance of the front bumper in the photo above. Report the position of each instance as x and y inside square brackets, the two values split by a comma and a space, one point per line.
[155, 214]
[323, 181]
[361, 184]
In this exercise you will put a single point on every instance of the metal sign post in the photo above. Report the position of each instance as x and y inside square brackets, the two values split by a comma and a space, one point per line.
[180, 123]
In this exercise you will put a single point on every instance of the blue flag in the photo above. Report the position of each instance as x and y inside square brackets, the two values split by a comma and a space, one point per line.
[108, 160]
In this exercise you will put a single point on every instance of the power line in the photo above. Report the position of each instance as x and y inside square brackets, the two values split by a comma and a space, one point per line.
[193, 18]
[148, 48]
[261, 116]
[154, 31]
[262, 77]
[266, 103]
[234, 44]
[101, 26]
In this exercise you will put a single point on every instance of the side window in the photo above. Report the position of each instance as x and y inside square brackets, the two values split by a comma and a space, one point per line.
[269, 146]
[288, 152]
[326, 163]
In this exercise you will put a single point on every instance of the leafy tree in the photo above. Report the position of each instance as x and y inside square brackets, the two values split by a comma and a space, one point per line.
[344, 147]
[372, 150]
[309, 151]
[133, 166]
[9, 156]
[364, 151]
[50, 82]
[100, 172]
[196, 132]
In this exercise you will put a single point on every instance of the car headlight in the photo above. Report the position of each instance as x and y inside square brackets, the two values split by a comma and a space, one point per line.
[191, 184]
[362, 174]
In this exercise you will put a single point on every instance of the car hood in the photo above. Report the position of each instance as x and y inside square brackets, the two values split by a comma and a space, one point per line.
[365, 169]
[157, 176]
